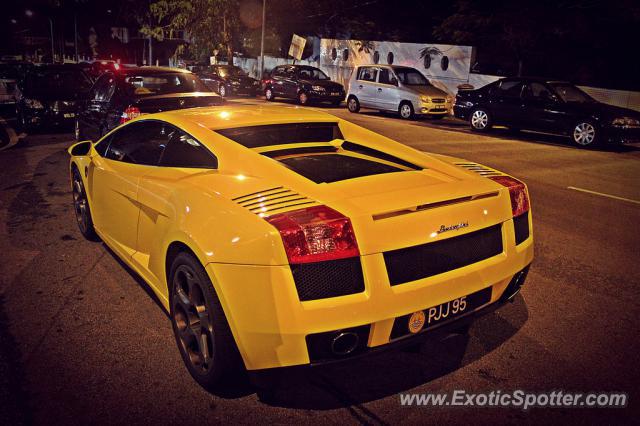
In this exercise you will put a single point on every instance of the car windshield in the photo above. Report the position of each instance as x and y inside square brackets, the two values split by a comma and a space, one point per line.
[570, 93]
[309, 73]
[231, 71]
[162, 84]
[411, 77]
[57, 81]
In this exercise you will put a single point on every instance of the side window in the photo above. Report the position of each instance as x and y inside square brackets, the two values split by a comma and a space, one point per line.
[367, 74]
[510, 88]
[140, 143]
[104, 88]
[184, 151]
[384, 76]
[537, 91]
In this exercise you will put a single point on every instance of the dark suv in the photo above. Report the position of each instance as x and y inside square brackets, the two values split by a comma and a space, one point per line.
[302, 83]
[120, 96]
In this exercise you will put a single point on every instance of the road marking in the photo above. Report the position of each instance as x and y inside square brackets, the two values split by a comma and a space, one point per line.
[13, 138]
[615, 197]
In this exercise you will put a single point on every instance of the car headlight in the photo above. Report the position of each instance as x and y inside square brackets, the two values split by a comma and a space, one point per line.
[626, 121]
[33, 103]
[425, 99]
[449, 99]
[317, 88]
[256, 83]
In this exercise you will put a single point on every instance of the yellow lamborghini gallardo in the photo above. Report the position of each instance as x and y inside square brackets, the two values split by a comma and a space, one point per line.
[279, 236]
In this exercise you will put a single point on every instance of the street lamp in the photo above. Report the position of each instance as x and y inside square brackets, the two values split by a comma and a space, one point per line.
[30, 14]
[264, 7]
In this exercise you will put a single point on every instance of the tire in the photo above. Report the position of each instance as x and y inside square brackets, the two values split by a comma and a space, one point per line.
[269, 95]
[480, 120]
[303, 98]
[585, 134]
[353, 105]
[406, 110]
[200, 327]
[81, 207]
[222, 90]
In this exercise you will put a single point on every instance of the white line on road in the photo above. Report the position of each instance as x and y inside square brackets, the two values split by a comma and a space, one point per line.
[615, 197]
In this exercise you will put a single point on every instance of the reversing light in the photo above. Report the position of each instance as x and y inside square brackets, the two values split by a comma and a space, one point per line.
[517, 193]
[315, 234]
[129, 114]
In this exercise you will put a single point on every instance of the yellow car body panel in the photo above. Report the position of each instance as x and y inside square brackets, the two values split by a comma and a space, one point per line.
[140, 211]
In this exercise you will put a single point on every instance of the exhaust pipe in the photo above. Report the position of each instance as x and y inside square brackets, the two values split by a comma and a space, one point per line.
[344, 343]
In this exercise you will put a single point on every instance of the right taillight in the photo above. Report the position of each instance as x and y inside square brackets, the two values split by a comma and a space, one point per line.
[315, 234]
[517, 193]
[129, 114]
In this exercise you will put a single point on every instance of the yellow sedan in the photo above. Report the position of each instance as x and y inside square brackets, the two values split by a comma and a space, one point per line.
[279, 236]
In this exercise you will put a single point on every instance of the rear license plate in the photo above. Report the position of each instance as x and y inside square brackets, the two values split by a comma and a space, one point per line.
[69, 115]
[435, 315]
[335, 94]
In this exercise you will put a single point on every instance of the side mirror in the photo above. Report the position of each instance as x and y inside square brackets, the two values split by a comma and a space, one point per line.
[81, 148]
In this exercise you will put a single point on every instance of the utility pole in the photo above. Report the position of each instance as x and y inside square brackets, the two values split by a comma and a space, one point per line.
[264, 7]
[75, 34]
[53, 51]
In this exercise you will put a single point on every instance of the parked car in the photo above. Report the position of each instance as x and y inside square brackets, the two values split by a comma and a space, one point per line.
[228, 80]
[547, 106]
[8, 84]
[396, 88]
[303, 83]
[289, 237]
[48, 96]
[119, 96]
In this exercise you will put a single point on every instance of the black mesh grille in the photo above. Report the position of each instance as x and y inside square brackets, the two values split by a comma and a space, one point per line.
[414, 263]
[331, 278]
[521, 226]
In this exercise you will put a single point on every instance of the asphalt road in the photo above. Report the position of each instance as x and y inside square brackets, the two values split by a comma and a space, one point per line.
[82, 341]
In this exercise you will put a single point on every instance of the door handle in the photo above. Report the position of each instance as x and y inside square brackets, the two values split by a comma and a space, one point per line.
[360, 86]
[379, 89]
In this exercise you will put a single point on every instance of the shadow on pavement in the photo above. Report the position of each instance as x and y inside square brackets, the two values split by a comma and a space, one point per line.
[14, 406]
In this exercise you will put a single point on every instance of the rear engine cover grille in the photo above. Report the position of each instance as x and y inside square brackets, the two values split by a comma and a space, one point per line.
[479, 169]
[417, 262]
[333, 278]
[274, 200]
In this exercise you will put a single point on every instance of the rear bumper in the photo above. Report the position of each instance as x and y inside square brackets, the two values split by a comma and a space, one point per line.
[270, 324]
[326, 96]
[47, 117]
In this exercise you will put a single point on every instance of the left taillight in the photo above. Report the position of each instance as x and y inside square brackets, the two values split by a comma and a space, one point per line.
[315, 234]
[129, 114]
[517, 193]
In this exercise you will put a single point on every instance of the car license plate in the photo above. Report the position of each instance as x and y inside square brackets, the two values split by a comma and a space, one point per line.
[431, 317]
[69, 115]
[335, 94]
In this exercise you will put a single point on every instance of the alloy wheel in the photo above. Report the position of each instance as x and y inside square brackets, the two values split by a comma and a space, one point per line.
[192, 319]
[80, 203]
[584, 134]
[223, 91]
[303, 98]
[405, 111]
[268, 94]
[479, 119]
[352, 105]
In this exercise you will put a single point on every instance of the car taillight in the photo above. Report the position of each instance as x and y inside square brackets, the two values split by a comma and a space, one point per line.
[315, 234]
[517, 192]
[129, 114]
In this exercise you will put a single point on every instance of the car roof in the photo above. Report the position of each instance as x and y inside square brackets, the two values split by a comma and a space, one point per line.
[149, 70]
[536, 79]
[244, 115]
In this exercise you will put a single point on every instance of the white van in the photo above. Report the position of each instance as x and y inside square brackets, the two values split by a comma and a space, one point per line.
[396, 88]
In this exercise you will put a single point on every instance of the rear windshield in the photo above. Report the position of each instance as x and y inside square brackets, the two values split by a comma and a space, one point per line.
[161, 84]
[282, 134]
[56, 81]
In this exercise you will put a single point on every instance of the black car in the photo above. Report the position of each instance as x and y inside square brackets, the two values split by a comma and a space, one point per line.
[228, 80]
[302, 83]
[547, 106]
[48, 96]
[120, 96]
